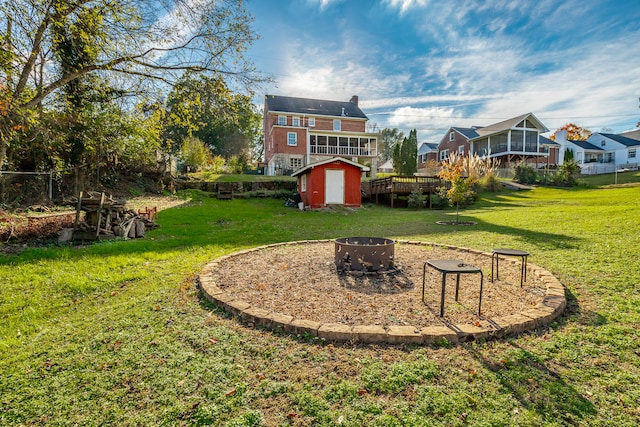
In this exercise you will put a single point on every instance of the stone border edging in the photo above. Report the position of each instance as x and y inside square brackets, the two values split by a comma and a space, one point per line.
[551, 306]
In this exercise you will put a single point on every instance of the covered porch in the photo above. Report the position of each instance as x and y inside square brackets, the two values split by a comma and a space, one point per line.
[333, 144]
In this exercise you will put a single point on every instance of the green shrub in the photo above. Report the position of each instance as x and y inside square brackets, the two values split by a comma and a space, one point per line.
[525, 174]
[568, 174]
[416, 199]
[439, 199]
[195, 154]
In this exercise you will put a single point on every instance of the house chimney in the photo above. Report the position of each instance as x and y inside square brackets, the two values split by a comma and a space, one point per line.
[354, 100]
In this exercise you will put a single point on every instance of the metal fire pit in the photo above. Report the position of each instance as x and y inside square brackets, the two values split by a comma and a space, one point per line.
[364, 254]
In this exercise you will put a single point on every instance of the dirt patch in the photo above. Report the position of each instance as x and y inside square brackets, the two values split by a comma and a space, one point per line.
[301, 280]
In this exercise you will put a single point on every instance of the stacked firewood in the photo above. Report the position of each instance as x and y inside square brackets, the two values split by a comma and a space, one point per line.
[107, 218]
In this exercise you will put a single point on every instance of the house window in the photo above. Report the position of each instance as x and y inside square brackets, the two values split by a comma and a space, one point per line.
[295, 162]
[312, 122]
[337, 124]
[603, 143]
[303, 183]
[444, 155]
[296, 121]
[461, 150]
[632, 153]
[452, 136]
[292, 138]
[282, 120]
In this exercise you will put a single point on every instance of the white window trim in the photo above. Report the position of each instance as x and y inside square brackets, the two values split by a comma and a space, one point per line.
[295, 121]
[461, 149]
[280, 118]
[303, 183]
[295, 139]
[632, 153]
[444, 155]
[312, 122]
[337, 124]
[452, 136]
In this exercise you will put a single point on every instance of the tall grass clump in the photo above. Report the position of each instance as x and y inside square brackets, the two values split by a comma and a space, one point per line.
[484, 169]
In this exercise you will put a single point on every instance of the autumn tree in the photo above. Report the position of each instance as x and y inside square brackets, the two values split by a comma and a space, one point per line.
[454, 170]
[574, 132]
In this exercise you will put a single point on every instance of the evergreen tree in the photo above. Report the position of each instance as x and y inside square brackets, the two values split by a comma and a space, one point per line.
[405, 155]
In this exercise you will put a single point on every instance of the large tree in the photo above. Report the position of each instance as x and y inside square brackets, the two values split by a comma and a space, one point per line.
[389, 138]
[131, 43]
[204, 107]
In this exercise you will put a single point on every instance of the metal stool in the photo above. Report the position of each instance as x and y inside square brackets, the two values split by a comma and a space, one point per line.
[448, 266]
[495, 253]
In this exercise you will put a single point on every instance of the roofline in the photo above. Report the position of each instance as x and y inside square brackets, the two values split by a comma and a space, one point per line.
[366, 118]
[521, 117]
[329, 160]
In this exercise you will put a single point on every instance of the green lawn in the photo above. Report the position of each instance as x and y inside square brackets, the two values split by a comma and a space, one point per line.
[116, 333]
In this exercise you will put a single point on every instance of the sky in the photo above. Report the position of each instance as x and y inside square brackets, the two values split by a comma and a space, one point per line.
[433, 64]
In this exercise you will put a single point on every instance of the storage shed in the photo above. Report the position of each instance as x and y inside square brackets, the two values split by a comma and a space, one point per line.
[334, 181]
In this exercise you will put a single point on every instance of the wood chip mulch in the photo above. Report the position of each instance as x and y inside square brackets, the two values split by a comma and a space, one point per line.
[301, 280]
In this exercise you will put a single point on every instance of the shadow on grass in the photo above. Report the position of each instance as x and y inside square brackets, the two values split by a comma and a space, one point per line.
[537, 386]
[225, 226]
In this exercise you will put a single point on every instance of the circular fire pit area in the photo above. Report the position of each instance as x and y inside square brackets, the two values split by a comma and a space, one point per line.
[298, 288]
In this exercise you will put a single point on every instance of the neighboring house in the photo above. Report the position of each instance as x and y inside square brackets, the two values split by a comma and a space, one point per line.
[427, 159]
[456, 140]
[386, 167]
[332, 181]
[633, 134]
[601, 152]
[513, 140]
[427, 151]
[300, 131]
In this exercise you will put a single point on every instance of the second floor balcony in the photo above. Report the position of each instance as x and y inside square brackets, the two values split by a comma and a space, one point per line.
[352, 146]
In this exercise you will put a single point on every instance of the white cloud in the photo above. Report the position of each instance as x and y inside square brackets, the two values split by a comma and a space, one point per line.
[405, 5]
[429, 118]
[323, 4]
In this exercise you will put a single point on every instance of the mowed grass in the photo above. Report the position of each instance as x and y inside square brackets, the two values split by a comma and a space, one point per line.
[116, 333]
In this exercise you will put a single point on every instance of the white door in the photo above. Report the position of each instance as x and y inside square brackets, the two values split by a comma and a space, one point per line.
[334, 187]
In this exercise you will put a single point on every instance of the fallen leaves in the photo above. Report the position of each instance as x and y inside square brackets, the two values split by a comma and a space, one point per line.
[300, 280]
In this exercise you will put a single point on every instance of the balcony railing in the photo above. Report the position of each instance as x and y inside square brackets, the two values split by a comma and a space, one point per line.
[332, 150]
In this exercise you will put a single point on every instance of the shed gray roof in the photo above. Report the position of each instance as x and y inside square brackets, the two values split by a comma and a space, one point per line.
[313, 107]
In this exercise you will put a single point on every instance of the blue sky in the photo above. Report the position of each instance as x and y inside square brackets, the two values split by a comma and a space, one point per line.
[430, 65]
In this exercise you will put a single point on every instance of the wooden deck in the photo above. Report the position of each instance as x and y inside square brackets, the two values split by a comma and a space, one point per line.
[395, 186]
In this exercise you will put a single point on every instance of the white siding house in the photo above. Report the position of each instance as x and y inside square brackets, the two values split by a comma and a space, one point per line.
[601, 153]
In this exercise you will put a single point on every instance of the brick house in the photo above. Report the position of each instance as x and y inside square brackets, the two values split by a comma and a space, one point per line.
[301, 131]
[511, 141]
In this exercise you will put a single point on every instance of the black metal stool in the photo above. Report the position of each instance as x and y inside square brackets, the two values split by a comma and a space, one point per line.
[495, 254]
[447, 266]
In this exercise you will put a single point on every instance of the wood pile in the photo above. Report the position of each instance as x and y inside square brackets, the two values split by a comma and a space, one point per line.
[107, 218]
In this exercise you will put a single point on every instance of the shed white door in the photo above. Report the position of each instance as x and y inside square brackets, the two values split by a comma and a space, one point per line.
[334, 187]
